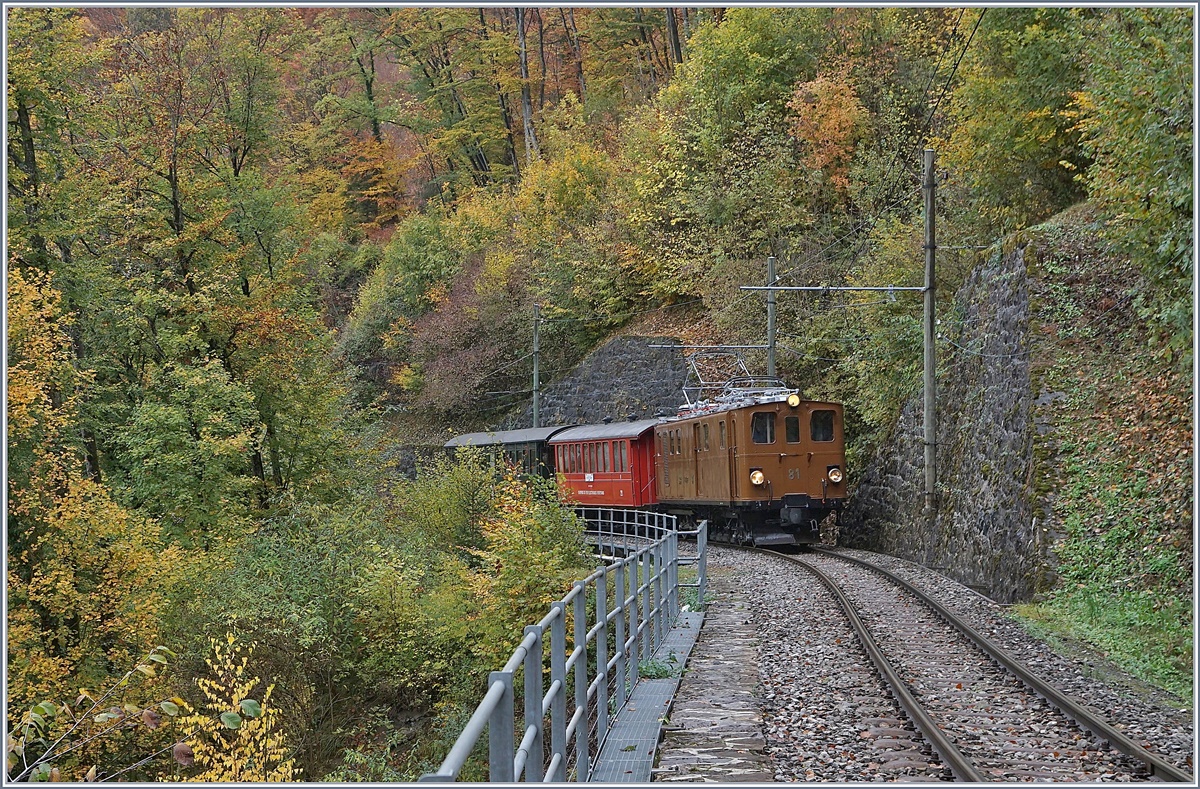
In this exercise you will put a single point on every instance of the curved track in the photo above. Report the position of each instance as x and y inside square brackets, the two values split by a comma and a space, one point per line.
[987, 716]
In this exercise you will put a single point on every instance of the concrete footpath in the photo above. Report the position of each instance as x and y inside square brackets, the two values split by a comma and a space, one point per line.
[714, 733]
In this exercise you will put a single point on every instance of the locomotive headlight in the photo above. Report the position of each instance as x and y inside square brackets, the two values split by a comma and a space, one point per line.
[835, 475]
[757, 477]
[793, 400]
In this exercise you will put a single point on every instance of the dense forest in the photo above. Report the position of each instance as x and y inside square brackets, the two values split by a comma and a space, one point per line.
[252, 250]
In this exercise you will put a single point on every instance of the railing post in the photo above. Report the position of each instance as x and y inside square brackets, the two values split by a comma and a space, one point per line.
[582, 764]
[558, 674]
[500, 731]
[619, 598]
[701, 563]
[533, 705]
[659, 606]
[634, 625]
[673, 574]
[647, 609]
[602, 655]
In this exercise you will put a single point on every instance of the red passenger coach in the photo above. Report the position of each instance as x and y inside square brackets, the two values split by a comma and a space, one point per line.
[607, 465]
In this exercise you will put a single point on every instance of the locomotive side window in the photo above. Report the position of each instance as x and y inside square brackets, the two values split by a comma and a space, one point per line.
[762, 428]
[822, 425]
[721, 430]
[706, 436]
[791, 426]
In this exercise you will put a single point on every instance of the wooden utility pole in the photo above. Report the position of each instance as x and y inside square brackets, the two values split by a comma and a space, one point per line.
[537, 320]
[771, 317]
[928, 188]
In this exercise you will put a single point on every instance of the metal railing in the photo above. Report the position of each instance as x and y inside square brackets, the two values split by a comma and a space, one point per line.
[628, 620]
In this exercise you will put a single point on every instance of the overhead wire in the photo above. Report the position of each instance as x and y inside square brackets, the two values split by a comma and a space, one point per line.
[857, 229]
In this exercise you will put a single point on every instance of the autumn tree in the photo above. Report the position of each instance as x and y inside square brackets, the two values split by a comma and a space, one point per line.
[1137, 125]
[237, 737]
[1013, 142]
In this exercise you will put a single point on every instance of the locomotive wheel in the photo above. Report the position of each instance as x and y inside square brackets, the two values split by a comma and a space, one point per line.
[742, 534]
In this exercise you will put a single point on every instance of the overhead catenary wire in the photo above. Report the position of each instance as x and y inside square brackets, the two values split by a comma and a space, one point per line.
[793, 271]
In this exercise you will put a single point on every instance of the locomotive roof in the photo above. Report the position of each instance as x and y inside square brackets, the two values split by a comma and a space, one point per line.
[738, 399]
[602, 432]
[527, 435]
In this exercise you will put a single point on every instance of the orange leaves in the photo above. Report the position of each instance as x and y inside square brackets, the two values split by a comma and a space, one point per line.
[830, 120]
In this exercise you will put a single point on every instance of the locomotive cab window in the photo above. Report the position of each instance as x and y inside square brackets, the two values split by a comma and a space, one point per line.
[791, 427]
[721, 430]
[822, 425]
[762, 428]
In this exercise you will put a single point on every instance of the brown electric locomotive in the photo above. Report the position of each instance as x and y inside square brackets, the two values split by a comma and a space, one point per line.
[764, 470]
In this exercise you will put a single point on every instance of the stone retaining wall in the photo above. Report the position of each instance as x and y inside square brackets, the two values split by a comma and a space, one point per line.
[985, 534]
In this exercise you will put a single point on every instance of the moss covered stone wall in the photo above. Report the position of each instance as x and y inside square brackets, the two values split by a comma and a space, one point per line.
[985, 533]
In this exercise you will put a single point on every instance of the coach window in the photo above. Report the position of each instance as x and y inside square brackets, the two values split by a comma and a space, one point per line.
[762, 428]
[791, 426]
[721, 430]
[822, 425]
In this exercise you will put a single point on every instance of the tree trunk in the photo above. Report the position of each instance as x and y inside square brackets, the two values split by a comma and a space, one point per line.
[531, 143]
[568, 20]
[542, 57]
[673, 37]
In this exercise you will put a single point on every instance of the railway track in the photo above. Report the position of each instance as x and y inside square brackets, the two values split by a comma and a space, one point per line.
[985, 715]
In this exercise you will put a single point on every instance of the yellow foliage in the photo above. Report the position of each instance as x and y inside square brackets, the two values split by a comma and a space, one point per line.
[85, 598]
[256, 749]
[41, 398]
[533, 550]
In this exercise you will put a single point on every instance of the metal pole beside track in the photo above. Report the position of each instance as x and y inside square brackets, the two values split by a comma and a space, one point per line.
[930, 375]
[771, 320]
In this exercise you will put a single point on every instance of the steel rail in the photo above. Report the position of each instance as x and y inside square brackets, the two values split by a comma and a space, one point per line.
[959, 764]
[1070, 707]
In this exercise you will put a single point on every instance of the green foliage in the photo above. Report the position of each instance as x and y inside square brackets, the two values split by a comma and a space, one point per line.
[742, 71]
[658, 669]
[187, 447]
[875, 338]
[1120, 503]
[1137, 122]
[1013, 142]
